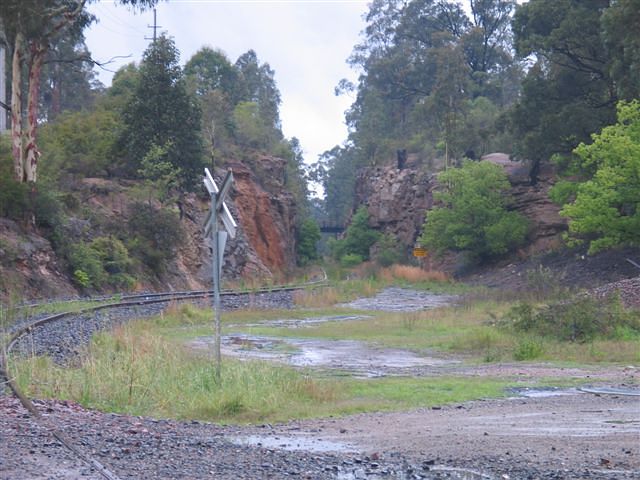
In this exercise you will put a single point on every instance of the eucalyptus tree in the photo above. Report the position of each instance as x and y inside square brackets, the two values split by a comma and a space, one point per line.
[422, 63]
[257, 85]
[29, 27]
[569, 93]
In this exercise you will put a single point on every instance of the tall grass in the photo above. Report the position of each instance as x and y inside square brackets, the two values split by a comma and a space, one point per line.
[412, 274]
[135, 372]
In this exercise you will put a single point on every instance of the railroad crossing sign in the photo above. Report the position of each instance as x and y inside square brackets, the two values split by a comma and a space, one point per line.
[218, 239]
[218, 204]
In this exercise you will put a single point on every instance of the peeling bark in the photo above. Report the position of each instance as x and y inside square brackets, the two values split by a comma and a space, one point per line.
[16, 108]
[32, 154]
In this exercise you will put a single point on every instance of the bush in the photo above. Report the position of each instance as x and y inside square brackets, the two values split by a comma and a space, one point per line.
[528, 349]
[155, 234]
[580, 320]
[351, 260]
[307, 242]
[474, 216]
[102, 262]
[388, 251]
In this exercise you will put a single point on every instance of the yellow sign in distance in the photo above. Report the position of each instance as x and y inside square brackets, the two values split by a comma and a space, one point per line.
[420, 252]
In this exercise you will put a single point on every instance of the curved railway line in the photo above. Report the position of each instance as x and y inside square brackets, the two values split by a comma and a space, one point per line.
[119, 301]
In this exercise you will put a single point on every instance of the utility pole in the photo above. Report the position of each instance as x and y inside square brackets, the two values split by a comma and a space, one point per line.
[155, 27]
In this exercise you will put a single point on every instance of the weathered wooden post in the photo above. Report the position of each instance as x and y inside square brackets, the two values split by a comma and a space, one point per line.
[218, 238]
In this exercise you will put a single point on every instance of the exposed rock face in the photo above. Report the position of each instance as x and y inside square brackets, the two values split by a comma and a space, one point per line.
[263, 248]
[533, 202]
[266, 212]
[28, 265]
[396, 200]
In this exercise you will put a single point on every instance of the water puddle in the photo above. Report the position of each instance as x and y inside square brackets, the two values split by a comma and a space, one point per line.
[542, 392]
[304, 322]
[626, 391]
[435, 473]
[348, 356]
[294, 443]
[396, 299]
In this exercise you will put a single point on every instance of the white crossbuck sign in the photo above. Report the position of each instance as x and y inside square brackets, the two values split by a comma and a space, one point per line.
[218, 240]
[220, 205]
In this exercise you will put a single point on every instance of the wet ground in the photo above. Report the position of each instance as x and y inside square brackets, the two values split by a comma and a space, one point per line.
[349, 357]
[396, 299]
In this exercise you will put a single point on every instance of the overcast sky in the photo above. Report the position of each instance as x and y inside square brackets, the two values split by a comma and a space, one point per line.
[306, 42]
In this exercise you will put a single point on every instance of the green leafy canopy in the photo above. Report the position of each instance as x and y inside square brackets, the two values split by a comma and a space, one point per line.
[605, 211]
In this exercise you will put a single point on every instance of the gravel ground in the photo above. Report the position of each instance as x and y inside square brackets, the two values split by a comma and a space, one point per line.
[571, 436]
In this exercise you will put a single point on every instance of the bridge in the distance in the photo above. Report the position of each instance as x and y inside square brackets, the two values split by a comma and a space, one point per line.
[326, 227]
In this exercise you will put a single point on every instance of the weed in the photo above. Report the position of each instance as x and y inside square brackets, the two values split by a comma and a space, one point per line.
[528, 349]
[579, 320]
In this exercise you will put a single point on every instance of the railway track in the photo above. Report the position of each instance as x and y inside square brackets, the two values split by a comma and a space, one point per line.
[113, 302]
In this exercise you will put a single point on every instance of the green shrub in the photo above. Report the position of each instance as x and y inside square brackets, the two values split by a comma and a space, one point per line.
[102, 262]
[307, 241]
[473, 214]
[528, 349]
[579, 320]
[85, 260]
[155, 234]
[351, 260]
[359, 237]
[388, 251]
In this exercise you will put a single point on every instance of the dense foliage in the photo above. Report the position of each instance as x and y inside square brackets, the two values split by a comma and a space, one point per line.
[606, 209]
[358, 240]
[154, 125]
[161, 113]
[473, 215]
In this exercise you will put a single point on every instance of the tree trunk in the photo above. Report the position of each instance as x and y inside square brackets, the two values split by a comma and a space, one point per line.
[32, 154]
[16, 109]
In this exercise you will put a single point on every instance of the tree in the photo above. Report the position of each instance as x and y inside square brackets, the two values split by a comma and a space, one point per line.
[422, 62]
[359, 237]
[620, 31]
[307, 241]
[473, 215]
[257, 85]
[161, 114]
[569, 93]
[209, 70]
[606, 210]
[29, 27]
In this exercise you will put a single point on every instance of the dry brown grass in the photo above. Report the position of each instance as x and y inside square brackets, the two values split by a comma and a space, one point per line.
[412, 274]
[316, 298]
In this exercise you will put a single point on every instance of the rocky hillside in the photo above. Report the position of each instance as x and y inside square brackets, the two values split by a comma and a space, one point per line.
[263, 248]
[397, 200]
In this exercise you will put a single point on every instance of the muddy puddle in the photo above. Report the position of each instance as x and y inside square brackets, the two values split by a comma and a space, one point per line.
[396, 299]
[304, 322]
[295, 443]
[348, 357]
[345, 356]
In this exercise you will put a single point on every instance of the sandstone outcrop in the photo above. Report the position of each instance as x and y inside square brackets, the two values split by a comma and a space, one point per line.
[398, 199]
[263, 248]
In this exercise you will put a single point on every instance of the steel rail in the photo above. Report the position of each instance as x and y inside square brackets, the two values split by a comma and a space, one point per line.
[129, 300]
